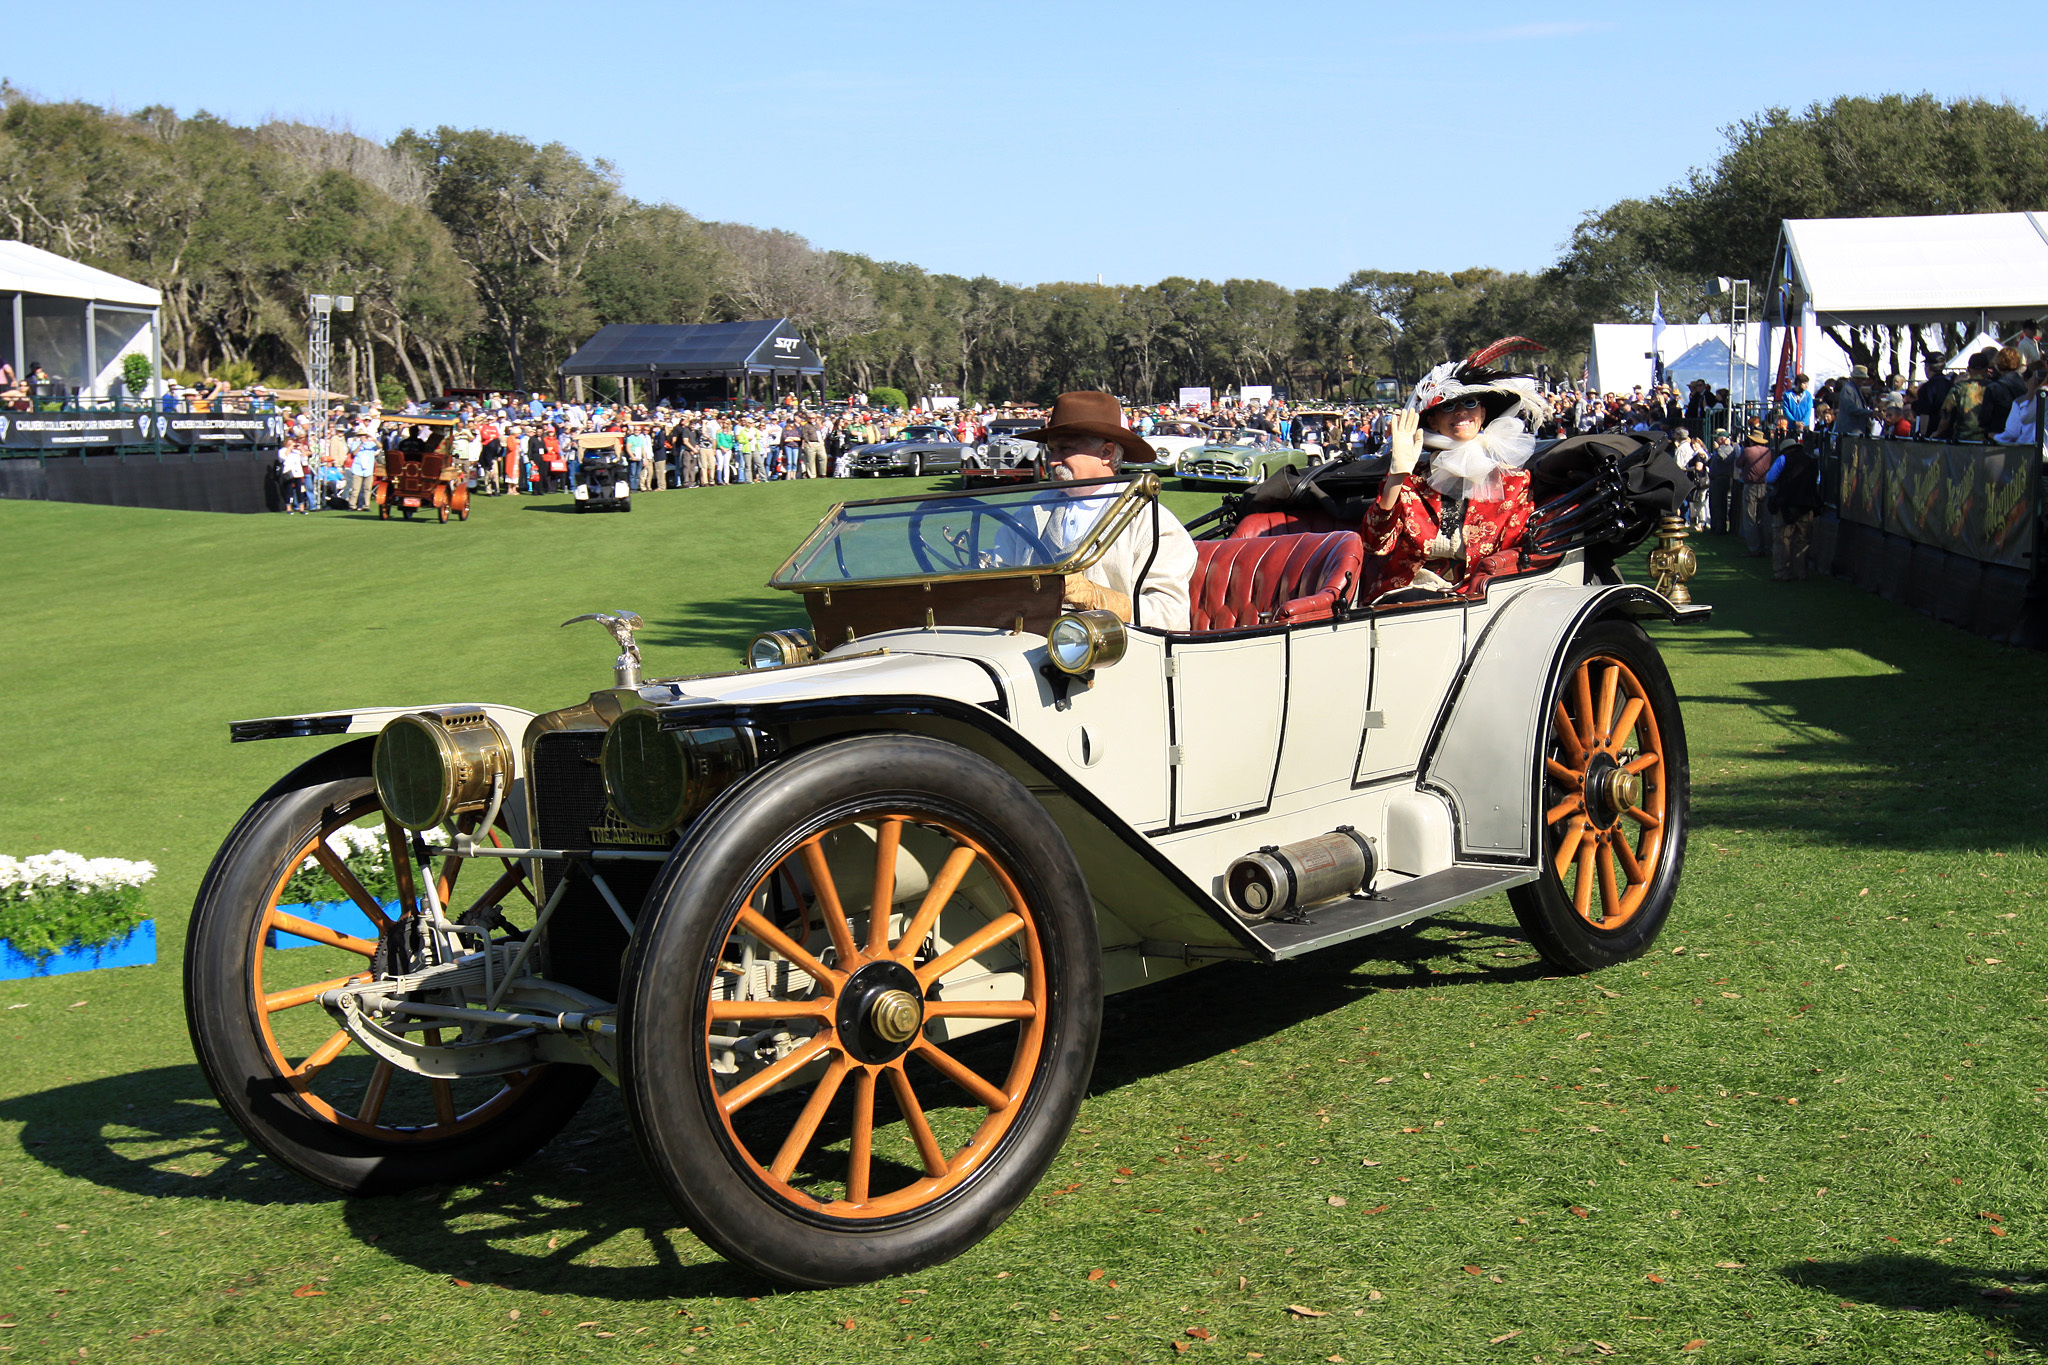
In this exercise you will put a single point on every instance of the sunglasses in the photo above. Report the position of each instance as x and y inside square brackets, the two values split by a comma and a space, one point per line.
[1457, 405]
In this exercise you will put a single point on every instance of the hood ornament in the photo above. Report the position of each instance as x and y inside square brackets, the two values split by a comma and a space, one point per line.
[622, 624]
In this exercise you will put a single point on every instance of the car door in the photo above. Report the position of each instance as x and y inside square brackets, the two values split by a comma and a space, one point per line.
[1417, 652]
[1228, 700]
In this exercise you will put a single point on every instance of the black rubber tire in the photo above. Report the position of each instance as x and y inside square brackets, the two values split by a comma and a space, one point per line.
[220, 1011]
[664, 1069]
[1567, 939]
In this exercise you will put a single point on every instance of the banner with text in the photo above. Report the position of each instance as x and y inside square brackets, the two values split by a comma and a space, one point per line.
[66, 430]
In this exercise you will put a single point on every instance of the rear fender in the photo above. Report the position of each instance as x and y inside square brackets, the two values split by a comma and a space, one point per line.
[1482, 758]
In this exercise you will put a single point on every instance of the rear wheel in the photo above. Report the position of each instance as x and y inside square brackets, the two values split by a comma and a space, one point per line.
[1616, 791]
[799, 1000]
[281, 917]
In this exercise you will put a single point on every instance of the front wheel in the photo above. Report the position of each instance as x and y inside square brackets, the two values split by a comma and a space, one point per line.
[1616, 790]
[803, 996]
[292, 908]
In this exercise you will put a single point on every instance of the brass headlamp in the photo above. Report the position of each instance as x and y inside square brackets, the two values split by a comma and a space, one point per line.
[657, 779]
[431, 765]
[1081, 640]
[780, 648]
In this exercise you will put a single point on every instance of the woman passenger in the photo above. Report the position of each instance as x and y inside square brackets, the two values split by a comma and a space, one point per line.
[1460, 523]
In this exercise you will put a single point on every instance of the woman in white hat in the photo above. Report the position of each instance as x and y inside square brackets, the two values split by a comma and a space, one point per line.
[1460, 523]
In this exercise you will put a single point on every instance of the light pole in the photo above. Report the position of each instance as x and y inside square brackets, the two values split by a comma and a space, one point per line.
[320, 367]
[1738, 340]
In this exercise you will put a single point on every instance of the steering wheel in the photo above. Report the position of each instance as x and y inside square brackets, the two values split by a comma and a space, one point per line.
[964, 547]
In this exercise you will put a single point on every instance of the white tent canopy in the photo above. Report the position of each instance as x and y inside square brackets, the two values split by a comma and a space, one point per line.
[78, 323]
[1619, 360]
[1899, 271]
[1709, 361]
[1960, 361]
[27, 269]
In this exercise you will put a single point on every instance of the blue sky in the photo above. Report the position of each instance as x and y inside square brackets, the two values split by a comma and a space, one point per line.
[1294, 141]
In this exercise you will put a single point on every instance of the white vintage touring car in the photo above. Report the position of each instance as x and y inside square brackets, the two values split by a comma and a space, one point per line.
[840, 925]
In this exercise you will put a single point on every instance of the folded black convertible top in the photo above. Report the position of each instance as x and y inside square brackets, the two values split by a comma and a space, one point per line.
[1604, 492]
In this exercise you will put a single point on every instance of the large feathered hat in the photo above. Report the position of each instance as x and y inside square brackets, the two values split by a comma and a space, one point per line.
[1501, 394]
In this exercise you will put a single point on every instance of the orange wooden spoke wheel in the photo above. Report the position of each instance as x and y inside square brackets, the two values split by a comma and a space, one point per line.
[327, 1071]
[1615, 788]
[282, 918]
[1608, 821]
[858, 1020]
[860, 1009]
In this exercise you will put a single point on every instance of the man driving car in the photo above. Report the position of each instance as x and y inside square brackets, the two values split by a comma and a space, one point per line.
[1085, 438]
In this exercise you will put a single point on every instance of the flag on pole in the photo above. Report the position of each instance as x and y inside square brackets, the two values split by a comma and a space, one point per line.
[1656, 337]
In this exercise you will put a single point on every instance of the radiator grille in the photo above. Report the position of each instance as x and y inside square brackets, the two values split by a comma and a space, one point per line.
[584, 940]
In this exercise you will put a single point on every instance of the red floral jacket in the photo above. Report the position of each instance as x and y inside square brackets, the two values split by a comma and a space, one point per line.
[1397, 538]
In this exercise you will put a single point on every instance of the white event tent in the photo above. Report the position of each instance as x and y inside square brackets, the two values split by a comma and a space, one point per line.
[1976, 269]
[1619, 360]
[75, 321]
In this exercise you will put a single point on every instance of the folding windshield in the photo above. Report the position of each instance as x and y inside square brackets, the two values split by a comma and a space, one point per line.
[1056, 529]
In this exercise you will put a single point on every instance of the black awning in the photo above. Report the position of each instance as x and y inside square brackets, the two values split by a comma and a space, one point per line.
[770, 346]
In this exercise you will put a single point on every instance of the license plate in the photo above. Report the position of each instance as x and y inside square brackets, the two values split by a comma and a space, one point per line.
[409, 502]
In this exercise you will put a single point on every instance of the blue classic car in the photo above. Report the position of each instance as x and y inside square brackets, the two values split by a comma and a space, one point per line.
[924, 449]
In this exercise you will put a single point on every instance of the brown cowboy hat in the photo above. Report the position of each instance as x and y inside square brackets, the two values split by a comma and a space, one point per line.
[1089, 412]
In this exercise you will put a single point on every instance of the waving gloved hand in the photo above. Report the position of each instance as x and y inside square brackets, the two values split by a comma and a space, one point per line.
[1404, 442]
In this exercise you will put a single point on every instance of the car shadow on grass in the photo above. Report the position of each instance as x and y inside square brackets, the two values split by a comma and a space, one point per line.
[1922, 1284]
[159, 1134]
[1205, 1014]
[729, 624]
[583, 1216]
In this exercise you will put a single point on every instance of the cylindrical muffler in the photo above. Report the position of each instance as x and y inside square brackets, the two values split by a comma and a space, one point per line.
[1283, 877]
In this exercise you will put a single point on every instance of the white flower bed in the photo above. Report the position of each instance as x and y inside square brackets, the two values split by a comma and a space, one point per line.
[58, 900]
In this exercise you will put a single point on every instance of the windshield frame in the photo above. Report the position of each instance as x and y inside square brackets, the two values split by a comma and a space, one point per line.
[1139, 490]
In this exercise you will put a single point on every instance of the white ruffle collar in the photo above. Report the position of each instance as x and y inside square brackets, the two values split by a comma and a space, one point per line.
[1471, 469]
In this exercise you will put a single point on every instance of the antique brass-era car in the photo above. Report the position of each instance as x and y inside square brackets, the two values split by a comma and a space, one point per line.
[418, 473]
[840, 926]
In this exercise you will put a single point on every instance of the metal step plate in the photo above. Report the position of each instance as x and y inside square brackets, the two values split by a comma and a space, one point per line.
[1341, 921]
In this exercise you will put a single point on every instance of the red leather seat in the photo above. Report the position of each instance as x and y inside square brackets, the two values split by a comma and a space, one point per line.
[1271, 580]
[1288, 523]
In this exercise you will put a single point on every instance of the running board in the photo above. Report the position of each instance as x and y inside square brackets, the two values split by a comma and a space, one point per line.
[1341, 921]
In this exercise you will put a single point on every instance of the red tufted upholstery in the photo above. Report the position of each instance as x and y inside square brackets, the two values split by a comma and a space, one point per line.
[1268, 580]
[1288, 523]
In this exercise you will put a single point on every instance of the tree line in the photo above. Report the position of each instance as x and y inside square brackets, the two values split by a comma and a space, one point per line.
[480, 259]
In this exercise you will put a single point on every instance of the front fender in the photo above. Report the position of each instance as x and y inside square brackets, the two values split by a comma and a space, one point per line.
[1483, 757]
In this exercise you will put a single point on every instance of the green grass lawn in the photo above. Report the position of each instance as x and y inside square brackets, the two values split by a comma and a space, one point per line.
[1806, 1128]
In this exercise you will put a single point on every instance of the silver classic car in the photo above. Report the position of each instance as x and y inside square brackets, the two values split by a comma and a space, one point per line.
[928, 448]
[840, 925]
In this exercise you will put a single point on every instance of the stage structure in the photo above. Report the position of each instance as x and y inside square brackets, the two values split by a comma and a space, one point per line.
[80, 439]
[77, 322]
[702, 364]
